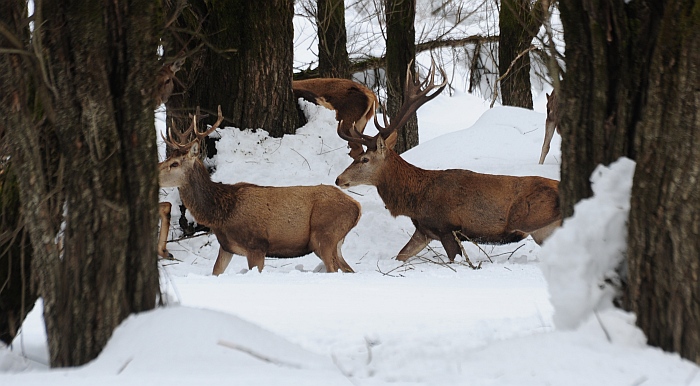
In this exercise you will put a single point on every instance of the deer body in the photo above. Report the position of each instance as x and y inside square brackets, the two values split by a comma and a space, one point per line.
[492, 209]
[258, 221]
[482, 207]
[352, 101]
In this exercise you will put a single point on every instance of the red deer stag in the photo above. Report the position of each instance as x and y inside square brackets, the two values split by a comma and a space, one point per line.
[550, 124]
[484, 208]
[258, 221]
[351, 101]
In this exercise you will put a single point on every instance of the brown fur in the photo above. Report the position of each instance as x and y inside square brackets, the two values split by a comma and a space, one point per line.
[482, 207]
[353, 102]
[551, 123]
[485, 208]
[165, 81]
[258, 221]
[164, 213]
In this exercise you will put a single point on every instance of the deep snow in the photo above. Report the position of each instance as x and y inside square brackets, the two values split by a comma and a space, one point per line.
[423, 322]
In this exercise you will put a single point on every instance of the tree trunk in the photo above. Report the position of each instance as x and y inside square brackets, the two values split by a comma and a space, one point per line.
[400, 51]
[518, 24]
[607, 59]
[96, 103]
[631, 90]
[332, 39]
[17, 297]
[248, 58]
[664, 233]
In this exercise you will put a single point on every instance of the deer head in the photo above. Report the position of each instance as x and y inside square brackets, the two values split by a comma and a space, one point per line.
[165, 81]
[185, 151]
[365, 166]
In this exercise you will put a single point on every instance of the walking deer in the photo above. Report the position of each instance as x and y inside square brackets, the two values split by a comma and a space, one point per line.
[550, 124]
[481, 207]
[351, 101]
[258, 221]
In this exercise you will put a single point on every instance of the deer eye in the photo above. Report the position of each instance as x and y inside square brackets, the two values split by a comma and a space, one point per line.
[174, 164]
[167, 81]
[364, 160]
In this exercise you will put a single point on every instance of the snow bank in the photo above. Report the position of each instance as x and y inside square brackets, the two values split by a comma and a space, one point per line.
[584, 252]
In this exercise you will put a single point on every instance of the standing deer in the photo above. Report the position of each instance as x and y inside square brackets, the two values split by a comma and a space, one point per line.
[550, 124]
[258, 221]
[351, 101]
[481, 207]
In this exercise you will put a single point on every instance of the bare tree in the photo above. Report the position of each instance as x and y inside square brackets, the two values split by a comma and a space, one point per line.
[631, 90]
[400, 52]
[333, 59]
[519, 21]
[247, 50]
[78, 118]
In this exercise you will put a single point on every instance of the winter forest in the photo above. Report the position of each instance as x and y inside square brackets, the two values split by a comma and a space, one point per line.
[365, 192]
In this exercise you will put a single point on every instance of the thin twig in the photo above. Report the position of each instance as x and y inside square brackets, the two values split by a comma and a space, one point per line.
[464, 253]
[256, 355]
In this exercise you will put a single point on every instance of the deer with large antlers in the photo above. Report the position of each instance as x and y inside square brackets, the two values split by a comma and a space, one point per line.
[351, 101]
[445, 204]
[259, 221]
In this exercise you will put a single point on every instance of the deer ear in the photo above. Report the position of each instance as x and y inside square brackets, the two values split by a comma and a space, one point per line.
[194, 150]
[391, 140]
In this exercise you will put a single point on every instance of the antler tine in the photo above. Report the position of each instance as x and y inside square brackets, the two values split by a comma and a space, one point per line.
[354, 136]
[415, 95]
[379, 127]
[215, 126]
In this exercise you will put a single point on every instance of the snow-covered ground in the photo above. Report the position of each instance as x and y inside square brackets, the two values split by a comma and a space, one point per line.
[423, 322]
[529, 316]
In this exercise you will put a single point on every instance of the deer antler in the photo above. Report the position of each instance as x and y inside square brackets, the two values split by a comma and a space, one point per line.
[415, 95]
[183, 143]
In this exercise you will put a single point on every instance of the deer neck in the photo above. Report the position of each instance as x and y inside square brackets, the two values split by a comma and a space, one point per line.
[401, 186]
[204, 198]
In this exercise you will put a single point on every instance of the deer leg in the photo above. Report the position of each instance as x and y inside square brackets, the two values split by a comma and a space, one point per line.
[256, 259]
[541, 234]
[416, 244]
[548, 134]
[221, 262]
[164, 211]
[344, 266]
[451, 246]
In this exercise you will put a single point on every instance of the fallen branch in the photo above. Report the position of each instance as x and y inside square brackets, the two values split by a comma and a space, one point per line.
[464, 253]
[256, 355]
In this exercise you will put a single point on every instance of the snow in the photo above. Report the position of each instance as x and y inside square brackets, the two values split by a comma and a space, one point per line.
[530, 316]
[424, 322]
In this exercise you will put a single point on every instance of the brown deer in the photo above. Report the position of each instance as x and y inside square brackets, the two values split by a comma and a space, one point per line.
[165, 79]
[550, 124]
[258, 221]
[481, 207]
[163, 89]
[351, 101]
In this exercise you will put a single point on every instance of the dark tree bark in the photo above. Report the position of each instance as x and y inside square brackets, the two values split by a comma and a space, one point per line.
[17, 296]
[248, 57]
[400, 51]
[607, 58]
[664, 234]
[82, 136]
[518, 23]
[332, 39]
[631, 90]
